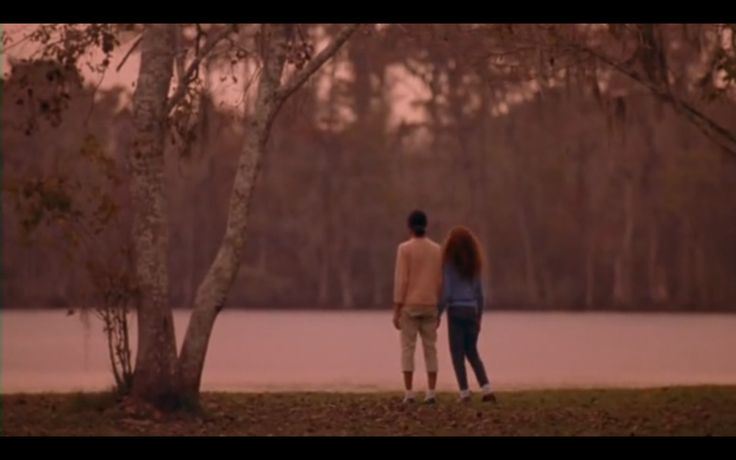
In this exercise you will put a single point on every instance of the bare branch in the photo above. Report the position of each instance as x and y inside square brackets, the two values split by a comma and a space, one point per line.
[298, 79]
[715, 132]
[186, 77]
[180, 55]
[130, 51]
[197, 39]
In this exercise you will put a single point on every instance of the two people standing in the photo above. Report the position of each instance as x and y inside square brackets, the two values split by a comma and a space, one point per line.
[428, 281]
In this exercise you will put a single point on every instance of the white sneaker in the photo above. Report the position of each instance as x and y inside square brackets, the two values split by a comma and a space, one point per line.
[488, 395]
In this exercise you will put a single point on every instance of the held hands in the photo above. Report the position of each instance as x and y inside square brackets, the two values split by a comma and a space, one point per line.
[397, 323]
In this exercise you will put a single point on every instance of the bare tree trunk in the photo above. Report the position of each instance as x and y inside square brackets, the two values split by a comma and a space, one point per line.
[587, 226]
[590, 249]
[324, 277]
[685, 284]
[701, 275]
[326, 238]
[522, 220]
[532, 288]
[341, 258]
[622, 288]
[550, 297]
[339, 167]
[487, 278]
[519, 169]
[378, 271]
[657, 280]
[482, 178]
[263, 256]
[359, 54]
[155, 378]
[204, 193]
[206, 225]
[186, 287]
[652, 261]
[346, 282]
[213, 290]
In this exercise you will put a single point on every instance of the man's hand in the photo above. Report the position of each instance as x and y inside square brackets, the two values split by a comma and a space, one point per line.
[396, 320]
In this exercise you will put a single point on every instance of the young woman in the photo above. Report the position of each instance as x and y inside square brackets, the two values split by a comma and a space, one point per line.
[462, 297]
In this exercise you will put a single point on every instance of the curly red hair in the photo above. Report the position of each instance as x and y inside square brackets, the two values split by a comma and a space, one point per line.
[463, 250]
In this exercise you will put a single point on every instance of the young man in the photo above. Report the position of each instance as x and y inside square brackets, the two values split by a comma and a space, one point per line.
[417, 281]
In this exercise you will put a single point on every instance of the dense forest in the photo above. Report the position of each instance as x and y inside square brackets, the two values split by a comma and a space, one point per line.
[589, 187]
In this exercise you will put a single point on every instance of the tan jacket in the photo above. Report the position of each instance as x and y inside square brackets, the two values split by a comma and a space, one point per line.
[418, 274]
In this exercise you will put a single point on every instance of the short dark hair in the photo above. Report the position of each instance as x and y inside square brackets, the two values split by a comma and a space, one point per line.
[418, 222]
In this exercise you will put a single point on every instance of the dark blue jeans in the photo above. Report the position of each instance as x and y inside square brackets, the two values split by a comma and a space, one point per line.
[463, 329]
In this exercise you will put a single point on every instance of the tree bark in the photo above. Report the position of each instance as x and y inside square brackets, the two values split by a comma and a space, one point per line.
[155, 378]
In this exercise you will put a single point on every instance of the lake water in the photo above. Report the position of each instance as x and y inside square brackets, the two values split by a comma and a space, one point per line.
[359, 351]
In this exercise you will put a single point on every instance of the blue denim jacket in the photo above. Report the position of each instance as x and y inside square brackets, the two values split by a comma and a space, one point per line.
[458, 292]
